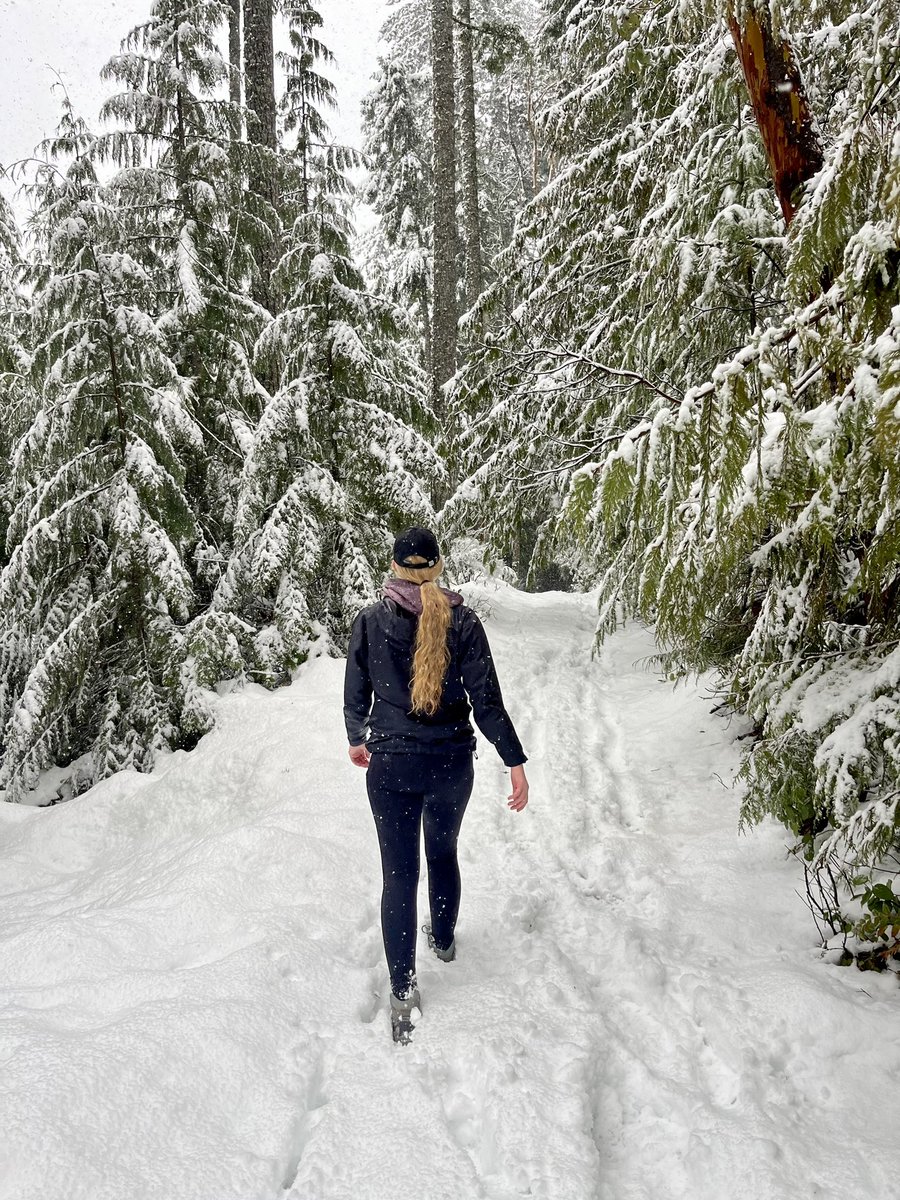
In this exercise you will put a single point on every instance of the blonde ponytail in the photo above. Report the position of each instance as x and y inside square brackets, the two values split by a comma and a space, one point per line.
[432, 653]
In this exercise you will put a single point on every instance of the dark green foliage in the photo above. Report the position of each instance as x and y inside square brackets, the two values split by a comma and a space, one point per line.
[95, 591]
[699, 410]
[202, 485]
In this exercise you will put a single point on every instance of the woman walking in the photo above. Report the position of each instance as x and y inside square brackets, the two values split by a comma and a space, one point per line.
[418, 664]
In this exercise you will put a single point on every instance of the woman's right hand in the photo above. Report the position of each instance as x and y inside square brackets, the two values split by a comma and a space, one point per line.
[519, 797]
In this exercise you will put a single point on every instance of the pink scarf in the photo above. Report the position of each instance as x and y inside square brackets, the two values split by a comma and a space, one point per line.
[408, 596]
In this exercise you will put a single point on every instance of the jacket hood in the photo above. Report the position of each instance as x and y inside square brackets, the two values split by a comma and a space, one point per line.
[408, 595]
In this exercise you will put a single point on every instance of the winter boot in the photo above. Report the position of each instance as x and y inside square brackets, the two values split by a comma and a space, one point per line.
[447, 955]
[404, 1014]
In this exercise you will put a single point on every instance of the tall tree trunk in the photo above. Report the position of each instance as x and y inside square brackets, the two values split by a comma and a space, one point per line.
[474, 267]
[444, 312]
[234, 52]
[259, 78]
[779, 105]
[259, 91]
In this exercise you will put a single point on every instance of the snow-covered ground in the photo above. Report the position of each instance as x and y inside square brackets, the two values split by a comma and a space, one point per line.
[193, 996]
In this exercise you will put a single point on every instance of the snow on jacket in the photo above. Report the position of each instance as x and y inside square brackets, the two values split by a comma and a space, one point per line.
[377, 704]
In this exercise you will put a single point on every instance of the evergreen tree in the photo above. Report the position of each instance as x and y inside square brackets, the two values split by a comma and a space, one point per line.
[338, 460]
[341, 456]
[309, 94]
[235, 53]
[174, 428]
[500, 155]
[398, 188]
[183, 208]
[473, 250]
[14, 392]
[707, 407]
[259, 90]
[10, 305]
[444, 236]
[596, 304]
[95, 595]
[257, 44]
[512, 83]
[407, 32]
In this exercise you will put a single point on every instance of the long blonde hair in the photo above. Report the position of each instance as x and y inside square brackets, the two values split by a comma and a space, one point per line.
[432, 653]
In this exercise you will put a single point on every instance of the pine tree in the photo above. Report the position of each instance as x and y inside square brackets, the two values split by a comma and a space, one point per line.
[95, 594]
[707, 408]
[341, 456]
[199, 487]
[263, 167]
[183, 206]
[622, 230]
[338, 460]
[11, 309]
[15, 396]
[259, 90]
[500, 159]
[309, 94]
[407, 33]
[398, 189]
[499, 155]
[473, 251]
[444, 287]
[513, 80]
[235, 53]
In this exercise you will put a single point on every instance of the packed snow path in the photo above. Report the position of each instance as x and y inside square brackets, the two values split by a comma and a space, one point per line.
[193, 993]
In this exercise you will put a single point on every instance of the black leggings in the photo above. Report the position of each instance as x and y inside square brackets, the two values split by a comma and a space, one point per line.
[403, 789]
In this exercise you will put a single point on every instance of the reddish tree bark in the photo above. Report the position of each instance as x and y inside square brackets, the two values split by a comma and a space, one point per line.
[779, 105]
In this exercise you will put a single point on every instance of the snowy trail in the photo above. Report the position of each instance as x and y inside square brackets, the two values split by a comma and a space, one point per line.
[193, 1001]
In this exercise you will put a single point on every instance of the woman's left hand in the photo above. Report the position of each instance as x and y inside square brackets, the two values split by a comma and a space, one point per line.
[519, 797]
[359, 756]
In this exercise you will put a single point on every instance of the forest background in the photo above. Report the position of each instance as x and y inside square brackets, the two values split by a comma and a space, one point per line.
[625, 311]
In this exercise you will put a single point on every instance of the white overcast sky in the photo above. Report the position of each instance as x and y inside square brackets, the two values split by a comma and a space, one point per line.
[42, 38]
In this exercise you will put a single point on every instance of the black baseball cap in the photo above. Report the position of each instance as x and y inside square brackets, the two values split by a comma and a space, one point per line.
[416, 543]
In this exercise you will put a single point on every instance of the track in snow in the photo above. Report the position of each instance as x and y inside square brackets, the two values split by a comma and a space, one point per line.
[635, 1012]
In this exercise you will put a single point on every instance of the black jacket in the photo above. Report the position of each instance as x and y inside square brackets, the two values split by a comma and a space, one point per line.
[377, 687]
